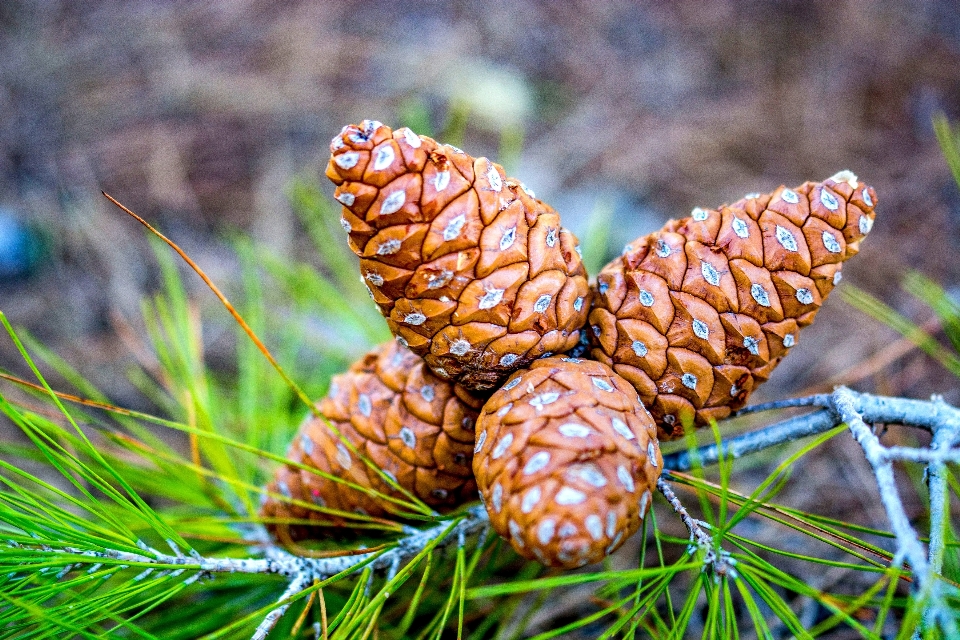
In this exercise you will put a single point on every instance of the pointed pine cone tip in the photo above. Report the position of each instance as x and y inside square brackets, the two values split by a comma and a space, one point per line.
[698, 314]
[391, 409]
[566, 461]
[471, 271]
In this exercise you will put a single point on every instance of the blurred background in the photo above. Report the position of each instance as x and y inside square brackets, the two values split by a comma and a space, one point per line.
[198, 115]
[201, 115]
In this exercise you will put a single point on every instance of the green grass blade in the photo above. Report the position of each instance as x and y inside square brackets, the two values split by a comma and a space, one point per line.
[949, 139]
[934, 296]
[888, 316]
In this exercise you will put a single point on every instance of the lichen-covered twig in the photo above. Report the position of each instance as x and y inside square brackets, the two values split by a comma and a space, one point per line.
[737, 447]
[716, 559]
[270, 621]
[946, 436]
[924, 414]
[301, 571]
[845, 404]
[818, 400]
[928, 586]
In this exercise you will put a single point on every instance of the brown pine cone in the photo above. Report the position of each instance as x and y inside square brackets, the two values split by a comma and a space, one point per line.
[471, 271]
[417, 428]
[566, 461]
[698, 314]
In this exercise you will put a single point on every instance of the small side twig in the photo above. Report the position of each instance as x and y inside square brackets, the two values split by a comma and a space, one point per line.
[301, 571]
[270, 621]
[945, 437]
[908, 543]
[715, 559]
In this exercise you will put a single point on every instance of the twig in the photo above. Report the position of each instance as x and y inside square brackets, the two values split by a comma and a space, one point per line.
[776, 434]
[908, 543]
[929, 588]
[817, 400]
[924, 414]
[716, 559]
[697, 528]
[931, 456]
[270, 621]
[300, 570]
[945, 436]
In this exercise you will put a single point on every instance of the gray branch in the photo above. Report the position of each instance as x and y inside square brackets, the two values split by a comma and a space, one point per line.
[908, 543]
[270, 621]
[945, 437]
[924, 414]
[280, 562]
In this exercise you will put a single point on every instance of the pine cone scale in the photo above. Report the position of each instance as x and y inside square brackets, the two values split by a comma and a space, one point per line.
[566, 461]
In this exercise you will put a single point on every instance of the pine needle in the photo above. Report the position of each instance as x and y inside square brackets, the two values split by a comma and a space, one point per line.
[226, 303]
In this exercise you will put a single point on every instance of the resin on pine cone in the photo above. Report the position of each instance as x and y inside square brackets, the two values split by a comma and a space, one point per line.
[566, 461]
[698, 314]
[417, 428]
[471, 271]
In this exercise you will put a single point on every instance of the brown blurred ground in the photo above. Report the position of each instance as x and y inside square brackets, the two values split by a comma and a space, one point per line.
[197, 115]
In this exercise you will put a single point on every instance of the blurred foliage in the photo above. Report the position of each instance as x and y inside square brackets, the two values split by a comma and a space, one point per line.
[943, 304]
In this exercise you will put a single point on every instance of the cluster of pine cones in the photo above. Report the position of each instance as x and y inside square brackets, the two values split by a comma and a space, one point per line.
[485, 292]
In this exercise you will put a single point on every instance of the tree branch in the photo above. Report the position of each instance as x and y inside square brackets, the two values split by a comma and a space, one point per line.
[924, 414]
[280, 562]
[908, 543]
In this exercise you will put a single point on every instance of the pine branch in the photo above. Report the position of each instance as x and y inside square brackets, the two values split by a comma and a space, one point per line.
[843, 406]
[280, 562]
[717, 560]
[928, 415]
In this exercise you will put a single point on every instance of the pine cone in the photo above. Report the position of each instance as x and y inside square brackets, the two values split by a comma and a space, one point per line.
[417, 428]
[566, 460]
[471, 271]
[698, 314]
